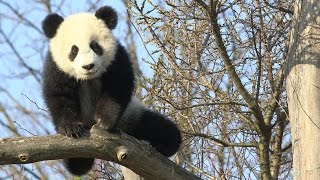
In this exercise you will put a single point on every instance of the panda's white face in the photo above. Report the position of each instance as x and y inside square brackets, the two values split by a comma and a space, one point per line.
[83, 46]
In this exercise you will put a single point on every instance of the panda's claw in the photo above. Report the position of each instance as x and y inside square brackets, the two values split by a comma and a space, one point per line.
[73, 130]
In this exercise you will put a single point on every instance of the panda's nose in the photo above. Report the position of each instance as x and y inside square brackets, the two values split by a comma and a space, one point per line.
[88, 67]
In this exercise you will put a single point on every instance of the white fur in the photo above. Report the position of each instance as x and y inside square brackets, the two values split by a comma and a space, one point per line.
[80, 29]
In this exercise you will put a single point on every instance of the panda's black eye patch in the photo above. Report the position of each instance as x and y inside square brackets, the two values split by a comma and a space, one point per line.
[96, 48]
[73, 53]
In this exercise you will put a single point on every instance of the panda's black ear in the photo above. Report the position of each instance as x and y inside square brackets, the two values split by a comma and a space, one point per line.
[108, 15]
[50, 24]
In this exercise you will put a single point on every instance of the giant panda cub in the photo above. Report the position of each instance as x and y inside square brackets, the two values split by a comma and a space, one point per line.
[88, 77]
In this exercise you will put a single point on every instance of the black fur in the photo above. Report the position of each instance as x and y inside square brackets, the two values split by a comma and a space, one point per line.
[108, 15]
[118, 85]
[78, 166]
[115, 86]
[50, 24]
[155, 128]
[62, 98]
[61, 94]
[73, 53]
[96, 48]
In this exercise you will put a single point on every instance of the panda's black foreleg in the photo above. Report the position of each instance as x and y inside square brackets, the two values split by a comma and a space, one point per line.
[66, 116]
[62, 98]
[159, 131]
[65, 111]
[108, 112]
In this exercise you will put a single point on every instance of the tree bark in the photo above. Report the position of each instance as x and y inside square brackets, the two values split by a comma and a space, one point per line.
[120, 148]
[303, 89]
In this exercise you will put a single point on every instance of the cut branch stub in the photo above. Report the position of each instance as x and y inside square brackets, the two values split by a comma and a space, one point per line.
[123, 153]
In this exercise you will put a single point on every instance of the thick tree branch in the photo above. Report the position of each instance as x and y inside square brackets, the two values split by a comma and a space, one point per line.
[122, 149]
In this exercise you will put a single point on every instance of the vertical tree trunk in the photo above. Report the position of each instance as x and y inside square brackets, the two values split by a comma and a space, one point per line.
[303, 89]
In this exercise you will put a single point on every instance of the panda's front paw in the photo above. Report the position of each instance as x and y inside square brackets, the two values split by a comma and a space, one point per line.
[73, 130]
[105, 121]
[107, 127]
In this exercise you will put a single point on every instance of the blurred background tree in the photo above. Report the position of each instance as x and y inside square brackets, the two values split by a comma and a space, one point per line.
[214, 67]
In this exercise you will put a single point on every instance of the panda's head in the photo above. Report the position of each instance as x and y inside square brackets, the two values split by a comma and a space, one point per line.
[82, 45]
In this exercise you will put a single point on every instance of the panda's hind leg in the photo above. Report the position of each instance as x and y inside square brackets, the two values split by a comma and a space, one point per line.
[159, 131]
[78, 166]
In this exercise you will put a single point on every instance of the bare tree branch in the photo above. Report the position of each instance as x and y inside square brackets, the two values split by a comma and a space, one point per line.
[122, 149]
[221, 143]
[228, 63]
